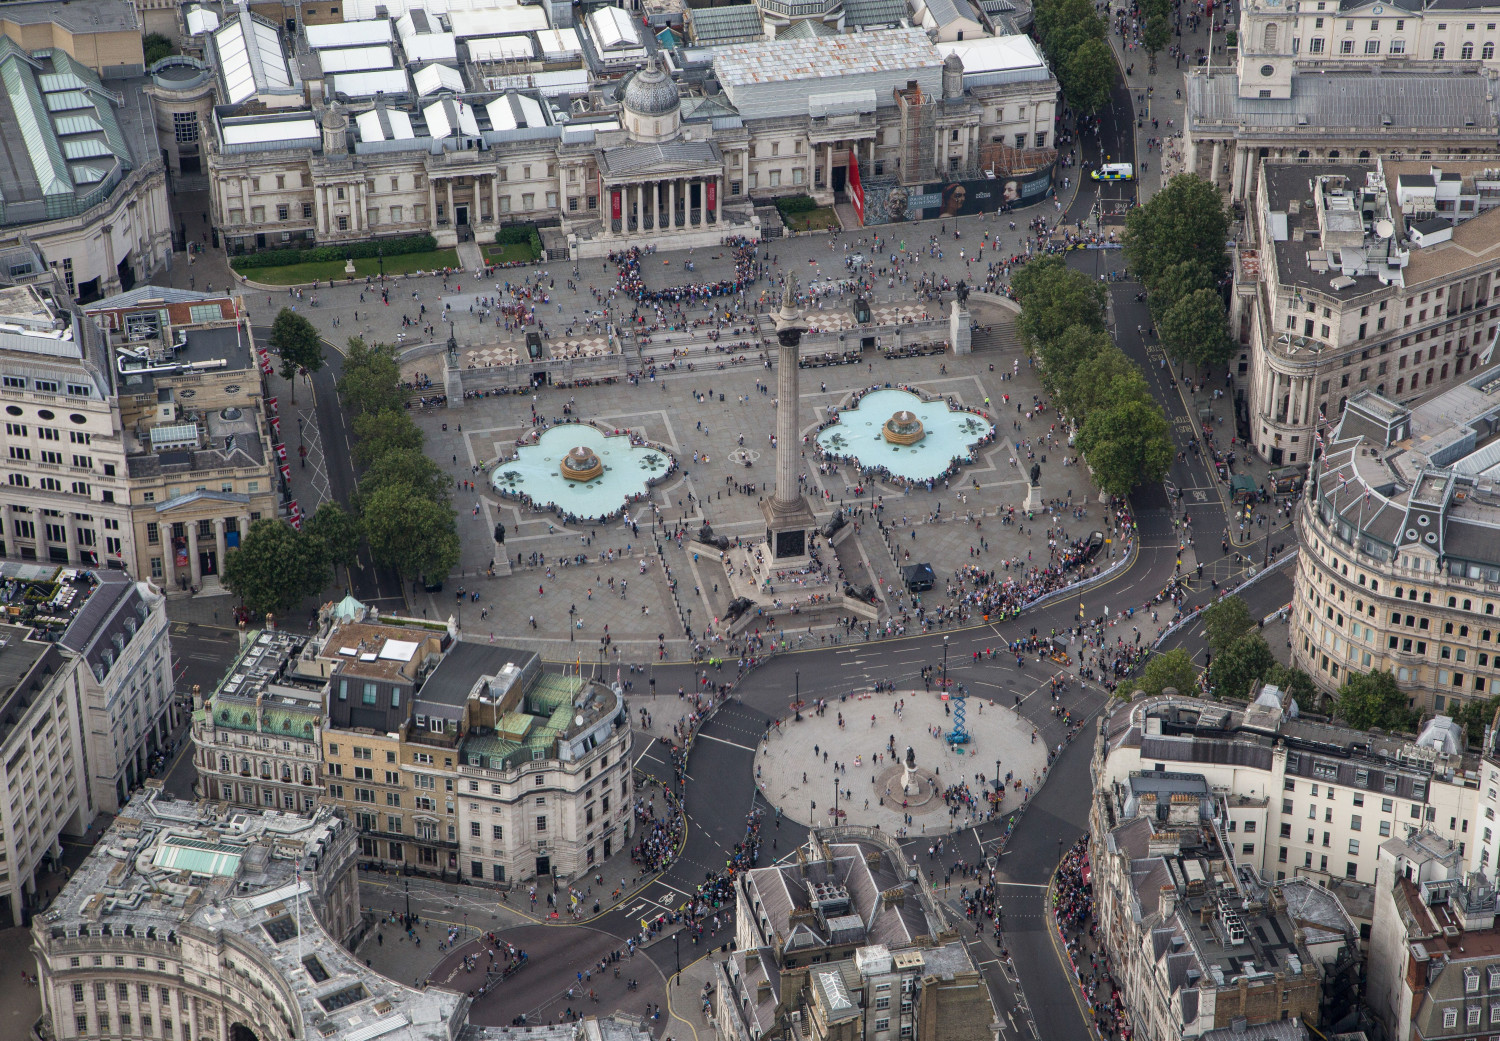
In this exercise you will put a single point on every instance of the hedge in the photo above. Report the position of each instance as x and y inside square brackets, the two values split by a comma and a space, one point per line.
[796, 204]
[355, 250]
[520, 235]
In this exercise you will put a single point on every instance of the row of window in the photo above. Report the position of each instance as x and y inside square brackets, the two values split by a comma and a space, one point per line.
[49, 386]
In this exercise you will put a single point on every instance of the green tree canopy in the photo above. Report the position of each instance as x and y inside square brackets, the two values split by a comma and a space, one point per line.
[1053, 299]
[1169, 669]
[1372, 699]
[1177, 281]
[411, 534]
[377, 433]
[1196, 331]
[298, 343]
[338, 531]
[1239, 667]
[275, 569]
[1108, 379]
[1158, 33]
[371, 381]
[1225, 621]
[1126, 444]
[1184, 221]
[1474, 716]
[1090, 75]
[410, 468]
[155, 47]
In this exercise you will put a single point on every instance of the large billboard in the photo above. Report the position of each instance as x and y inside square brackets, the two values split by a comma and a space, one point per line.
[898, 203]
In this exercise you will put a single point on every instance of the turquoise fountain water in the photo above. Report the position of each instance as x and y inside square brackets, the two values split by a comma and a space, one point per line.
[948, 434]
[628, 471]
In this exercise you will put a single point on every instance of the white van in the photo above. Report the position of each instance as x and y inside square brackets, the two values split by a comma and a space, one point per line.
[1114, 172]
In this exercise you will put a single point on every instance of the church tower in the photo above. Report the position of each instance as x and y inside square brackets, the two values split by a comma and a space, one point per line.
[1266, 55]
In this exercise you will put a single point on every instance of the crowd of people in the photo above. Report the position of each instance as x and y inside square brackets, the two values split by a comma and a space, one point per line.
[631, 284]
[1078, 928]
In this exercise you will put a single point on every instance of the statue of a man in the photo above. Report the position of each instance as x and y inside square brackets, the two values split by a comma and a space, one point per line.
[911, 757]
[1036, 475]
[963, 291]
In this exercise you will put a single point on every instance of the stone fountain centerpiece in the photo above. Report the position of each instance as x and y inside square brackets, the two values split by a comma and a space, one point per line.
[903, 428]
[581, 464]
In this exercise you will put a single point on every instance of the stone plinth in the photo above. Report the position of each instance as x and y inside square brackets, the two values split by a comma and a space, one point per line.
[960, 333]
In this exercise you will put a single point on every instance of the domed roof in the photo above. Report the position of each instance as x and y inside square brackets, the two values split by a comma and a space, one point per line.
[953, 62]
[651, 91]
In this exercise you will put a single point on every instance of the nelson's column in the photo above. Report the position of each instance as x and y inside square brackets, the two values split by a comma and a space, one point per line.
[788, 517]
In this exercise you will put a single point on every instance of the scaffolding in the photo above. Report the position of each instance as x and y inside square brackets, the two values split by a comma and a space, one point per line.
[918, 119]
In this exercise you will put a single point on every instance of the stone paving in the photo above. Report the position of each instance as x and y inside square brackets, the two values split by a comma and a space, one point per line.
[795, 769]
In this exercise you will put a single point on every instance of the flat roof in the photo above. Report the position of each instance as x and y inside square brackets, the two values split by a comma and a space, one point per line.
[96, 16]
[851, 54]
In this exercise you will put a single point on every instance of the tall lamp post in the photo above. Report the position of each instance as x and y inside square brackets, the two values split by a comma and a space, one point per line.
[797, 694]
[945, 663]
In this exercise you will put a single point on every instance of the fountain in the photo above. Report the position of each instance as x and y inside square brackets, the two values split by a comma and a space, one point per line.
[581, 464]
[903, 428]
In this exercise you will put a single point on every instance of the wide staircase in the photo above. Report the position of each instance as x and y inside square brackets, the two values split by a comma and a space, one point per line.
[996, 336]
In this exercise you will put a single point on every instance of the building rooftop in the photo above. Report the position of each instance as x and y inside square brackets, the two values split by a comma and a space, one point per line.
[1426, 475]
[68, 139]
[270, 688]
[107, 618]
[174, 871]
[377, 651]
[97, 16]
[837, 894]
[1429, 102]
[891, 50]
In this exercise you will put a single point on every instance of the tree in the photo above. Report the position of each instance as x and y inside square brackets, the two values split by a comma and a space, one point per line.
[298, 343]
[1169, 669]
[1186, 220]
[377, 433]
[1158, 33]
[1108, 379]
[1195, 331]
[1372, 699]
[412, 535]
[1177, 281]
[1090, 75]
[1054, 15]
[1225, 621]
[1474, 716]
[1052, 299]
[155, 47]
[338, 531]
[371, 381]
[1126, 444]
[275, 568]
[1244, 663]
[410, 468]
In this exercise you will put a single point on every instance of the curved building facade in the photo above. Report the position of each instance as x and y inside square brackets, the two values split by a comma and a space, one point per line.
[1400, 537]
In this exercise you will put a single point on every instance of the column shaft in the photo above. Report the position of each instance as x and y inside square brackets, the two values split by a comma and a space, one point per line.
[671, 205]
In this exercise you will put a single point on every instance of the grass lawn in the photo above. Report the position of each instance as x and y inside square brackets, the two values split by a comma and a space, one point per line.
[820, 219]
[330, 270]
[510, 253]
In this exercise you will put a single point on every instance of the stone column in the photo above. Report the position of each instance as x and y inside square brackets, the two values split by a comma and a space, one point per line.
[1217, 161]
[244, 527]
[431, 202]
[195, 570]
[671, 205]
[221, 544]
[640, 206]
[719, 199]
[655, 206]
[452, 216]
[495, 200]
[828, 167]
[320, 216]
[70, 537]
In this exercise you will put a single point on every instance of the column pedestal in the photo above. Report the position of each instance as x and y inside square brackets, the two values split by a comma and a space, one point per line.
[960, 335]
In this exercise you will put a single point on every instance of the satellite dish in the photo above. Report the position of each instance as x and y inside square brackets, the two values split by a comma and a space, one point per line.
[578, 720]
[1384, 228]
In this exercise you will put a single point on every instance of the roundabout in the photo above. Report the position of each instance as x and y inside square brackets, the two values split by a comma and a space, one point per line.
[861, 741]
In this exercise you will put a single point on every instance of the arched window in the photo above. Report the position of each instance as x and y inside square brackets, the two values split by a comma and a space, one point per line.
[286, 773]
[224, 766]
[1333, 154]
[1364, 155]
[1272, 33]
[306, 776]
[1430, 374]
[1487, 52]
[244, 765]
[1304, 154]
[1437, 51]
[1466, 52]
[1444, 374]
[1400, 384]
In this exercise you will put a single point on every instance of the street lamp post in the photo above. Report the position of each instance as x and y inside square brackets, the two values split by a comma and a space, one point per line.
[677, 948]
[408, 901]
[797, 694]
[945, 663]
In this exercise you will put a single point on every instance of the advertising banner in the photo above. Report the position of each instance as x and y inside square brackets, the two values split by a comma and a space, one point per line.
[614, 203]
[180, 552]
[898, 203]
[712, 197]
[855, 189]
